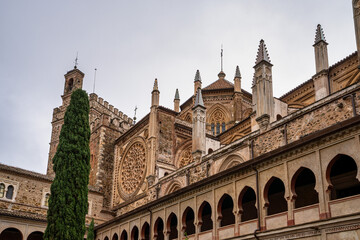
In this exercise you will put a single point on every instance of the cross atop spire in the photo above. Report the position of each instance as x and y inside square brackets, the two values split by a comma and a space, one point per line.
[262, 54]
[197, 76]
[177, 96]
[319, 35]
[76, 60]
[198, 99]
[237, 72]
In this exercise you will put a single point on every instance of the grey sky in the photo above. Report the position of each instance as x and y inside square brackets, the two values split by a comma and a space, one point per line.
[132, 42]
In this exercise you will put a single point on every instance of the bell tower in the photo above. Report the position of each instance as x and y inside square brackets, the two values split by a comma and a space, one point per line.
[73, 80]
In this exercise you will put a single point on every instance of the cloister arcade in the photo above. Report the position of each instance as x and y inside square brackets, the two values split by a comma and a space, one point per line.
[240, 212]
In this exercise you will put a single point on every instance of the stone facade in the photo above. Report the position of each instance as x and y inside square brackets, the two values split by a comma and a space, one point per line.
[226, 164]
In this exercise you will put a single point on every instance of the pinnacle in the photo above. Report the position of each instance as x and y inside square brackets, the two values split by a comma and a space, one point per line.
[237, 72]
[319, 35]
[197, 76]
[198, 99]
[155, 85]
[262, 54]
[177, 96]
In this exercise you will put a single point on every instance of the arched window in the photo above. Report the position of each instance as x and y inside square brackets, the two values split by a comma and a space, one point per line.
[188, 221]
[11, 233]
[135, 233]
[70, 85]
[159, 229]
[217, 128]
[106, 238]
[217, 121]
[213, 128]
[278, 117]
[223, 127]
[172, 226]
[115, 237]
[10, 192]
[204, 216]
[2, 190]
[47, 197]
[145, 232]
[210, 150]
[36, 236]
[303, 187]
[225, 211]
[247, 202]
[342, 172]
[124, 235]
[274, 196]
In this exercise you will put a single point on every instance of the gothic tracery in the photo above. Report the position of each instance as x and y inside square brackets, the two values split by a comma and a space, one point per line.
[132, 169]
[186, 157]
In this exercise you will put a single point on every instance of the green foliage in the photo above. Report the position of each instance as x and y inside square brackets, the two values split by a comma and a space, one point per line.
[68, 203]
[90, 234]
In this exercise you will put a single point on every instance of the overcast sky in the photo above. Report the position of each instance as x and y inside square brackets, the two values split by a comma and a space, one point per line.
[133, 42]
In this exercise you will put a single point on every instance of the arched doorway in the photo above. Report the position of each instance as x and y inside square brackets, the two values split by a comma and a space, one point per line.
[11, 233]
[188, 221]
[274, 196]
[341, 173]
[303, 188]
[204, 216]
[225, 211]
[172, 226]
[247, 202]
[36, 236]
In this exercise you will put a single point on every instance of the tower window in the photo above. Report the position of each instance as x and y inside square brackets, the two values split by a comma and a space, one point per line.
[70, 85]
[10, 192]
[213, 128]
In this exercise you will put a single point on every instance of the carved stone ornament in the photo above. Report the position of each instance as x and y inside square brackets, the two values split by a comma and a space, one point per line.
[186, 157]
[132, 170]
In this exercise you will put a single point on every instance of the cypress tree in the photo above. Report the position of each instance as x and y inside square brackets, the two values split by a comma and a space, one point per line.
[90, 234]
[68, 203]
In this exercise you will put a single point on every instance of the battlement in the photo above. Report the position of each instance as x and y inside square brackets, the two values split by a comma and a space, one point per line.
[95, 98]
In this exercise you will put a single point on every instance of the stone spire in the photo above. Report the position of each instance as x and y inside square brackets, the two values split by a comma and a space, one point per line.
[197, 81]
[199, 127]
[262, 54]
[321, 79]
[237, 80]
[155, 94]
[237, 72]
[177, 96]
[177, 101]
[237, 97]
[155, 85]
[319, 35]
[198, 99]
[262, 90]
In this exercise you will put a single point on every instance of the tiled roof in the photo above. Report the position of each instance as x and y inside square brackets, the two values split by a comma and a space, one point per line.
[33, 216]
[219, 84]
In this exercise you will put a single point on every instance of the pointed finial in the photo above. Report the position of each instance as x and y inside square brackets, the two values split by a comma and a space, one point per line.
[76, 60]
[135, 114]
[198, 99]
[197, 76]
[237, 72]
[155, 85]
[222, 50]
[177, 96]
[319, 35]
[262, 54]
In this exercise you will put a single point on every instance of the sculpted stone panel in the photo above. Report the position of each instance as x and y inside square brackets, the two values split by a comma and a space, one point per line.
[132, 170]
[186, 157]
